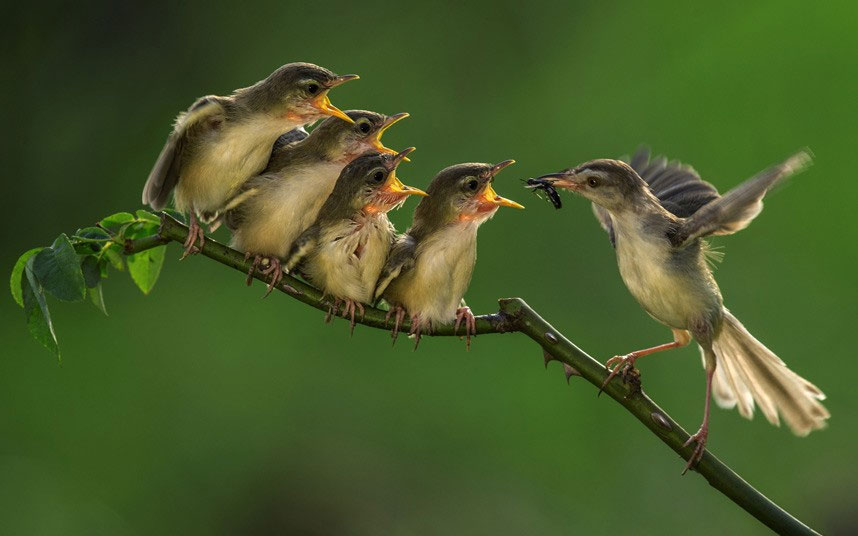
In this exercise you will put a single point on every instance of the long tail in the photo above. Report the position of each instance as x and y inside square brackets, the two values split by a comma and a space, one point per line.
[748, 372]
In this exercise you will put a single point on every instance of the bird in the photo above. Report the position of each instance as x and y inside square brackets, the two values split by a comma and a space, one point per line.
[220, 142]
[343, 252]
[430, 265]
[273, 208]
[657, 215]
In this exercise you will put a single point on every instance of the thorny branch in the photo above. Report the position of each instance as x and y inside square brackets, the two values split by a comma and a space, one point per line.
[515, 315]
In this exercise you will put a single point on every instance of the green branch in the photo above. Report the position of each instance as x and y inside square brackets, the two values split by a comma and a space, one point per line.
[73, 267]
[516, 316]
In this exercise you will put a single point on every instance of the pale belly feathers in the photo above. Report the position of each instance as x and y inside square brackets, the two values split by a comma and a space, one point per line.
[281, 212]
[218, 168]
[435, 286]
[349, 257]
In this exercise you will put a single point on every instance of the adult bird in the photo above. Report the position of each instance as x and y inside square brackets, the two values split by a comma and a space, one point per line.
[657, 215]
[273, 208]
[430, 266]
[220, 142]
[343, 252]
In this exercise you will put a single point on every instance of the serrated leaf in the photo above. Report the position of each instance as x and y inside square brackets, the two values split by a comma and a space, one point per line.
[17, 274]
[91, 271]
[117, 220]
[36, 311]
[145, 267]
[57, 269]
[96, 296]
[145, 215]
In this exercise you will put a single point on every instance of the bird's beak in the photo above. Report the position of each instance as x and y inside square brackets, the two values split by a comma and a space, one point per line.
[563, 179]
[384, 126]
[490, 198]
[323, 103]
[342, 79]
[394, 186]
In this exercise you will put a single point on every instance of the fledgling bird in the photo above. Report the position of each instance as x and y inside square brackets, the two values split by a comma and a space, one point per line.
[220, 142]
[273, 208]
[430, 266]
[657, 215]
[343, 252]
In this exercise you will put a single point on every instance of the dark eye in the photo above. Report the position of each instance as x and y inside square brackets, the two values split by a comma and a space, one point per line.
[313, 88]
[593, 182]
[472, 184]
[378, 176]
[364, 127]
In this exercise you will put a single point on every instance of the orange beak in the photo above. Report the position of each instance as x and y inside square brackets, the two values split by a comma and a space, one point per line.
[393, 185]
[490, 198]
[323, 103]
[386, 125]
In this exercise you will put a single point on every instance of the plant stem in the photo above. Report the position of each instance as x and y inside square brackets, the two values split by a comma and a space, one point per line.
[515, 315]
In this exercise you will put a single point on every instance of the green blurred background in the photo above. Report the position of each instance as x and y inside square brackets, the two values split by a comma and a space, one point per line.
[202, 409]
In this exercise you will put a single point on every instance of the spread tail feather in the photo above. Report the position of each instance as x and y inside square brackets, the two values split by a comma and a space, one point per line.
[748, 372]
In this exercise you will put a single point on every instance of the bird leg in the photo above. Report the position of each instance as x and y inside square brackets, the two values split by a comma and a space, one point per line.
[624, 363]
[333, 310]
[257, 259]
[275, 272]
[703, 433]
[398, 312]
[195, 232]
[349, 310]
[417, 330]
[470, 323]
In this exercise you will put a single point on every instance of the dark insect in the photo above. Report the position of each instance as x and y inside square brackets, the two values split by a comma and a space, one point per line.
[550, 192]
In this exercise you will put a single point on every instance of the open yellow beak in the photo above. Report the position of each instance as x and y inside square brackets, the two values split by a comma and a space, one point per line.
[386, 125]
[394, 186]
[491, 197]
[323, 104]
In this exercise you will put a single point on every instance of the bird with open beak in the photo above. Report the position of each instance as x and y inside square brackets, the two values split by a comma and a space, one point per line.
[430, 266]
[272, 209]
[221, 142]
[343, 252]
[657, 215]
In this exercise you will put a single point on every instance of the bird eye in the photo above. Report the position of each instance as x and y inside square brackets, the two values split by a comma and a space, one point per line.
[313, 88]
[364, 127]
[472, 184]
[378, 176]
[593, 182]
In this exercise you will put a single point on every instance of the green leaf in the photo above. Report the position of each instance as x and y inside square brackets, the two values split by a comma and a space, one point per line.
[17, 274]
[97, 298]
[36, 310]
[114, 256]
[96, 233]
[57, 269]
[91, 271]
[117, 220]
[146, 266]
[145, 215]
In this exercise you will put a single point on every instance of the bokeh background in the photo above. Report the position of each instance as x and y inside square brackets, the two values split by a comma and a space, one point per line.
[202, 409]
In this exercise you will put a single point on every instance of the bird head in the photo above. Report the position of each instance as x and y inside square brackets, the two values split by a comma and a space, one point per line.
[608, 183]
[300, 91]
[463, 193]
[347, 141]
[369, 184]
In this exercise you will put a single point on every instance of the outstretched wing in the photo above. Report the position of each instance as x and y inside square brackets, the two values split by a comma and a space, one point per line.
[678, 187]
[734, 210]
[204, 114]
[401, 259]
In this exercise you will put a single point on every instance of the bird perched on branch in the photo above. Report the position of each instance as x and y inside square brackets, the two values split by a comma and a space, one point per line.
[220, 142]
[430, 266]
[272, 209]
[343, 252]
[657, 215]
